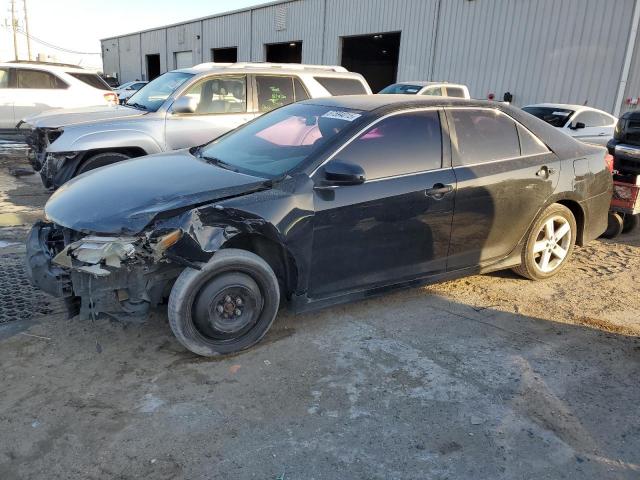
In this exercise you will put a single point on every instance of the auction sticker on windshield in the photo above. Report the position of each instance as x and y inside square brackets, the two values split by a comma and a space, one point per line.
[348, 116]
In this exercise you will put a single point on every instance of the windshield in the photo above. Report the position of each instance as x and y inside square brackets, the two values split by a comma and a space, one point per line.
[153, 94]
[556, 117]
[279, 141]
[401, 88]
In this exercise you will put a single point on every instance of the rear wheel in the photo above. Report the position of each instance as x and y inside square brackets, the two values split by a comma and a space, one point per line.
[549, 243]
[630, 223]
[100, 160]
[615, 225]
[225, 307]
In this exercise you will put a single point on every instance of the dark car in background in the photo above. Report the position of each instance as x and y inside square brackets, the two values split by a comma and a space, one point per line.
[318, 203]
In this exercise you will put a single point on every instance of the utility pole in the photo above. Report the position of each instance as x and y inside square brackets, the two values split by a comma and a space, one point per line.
[14, 25]
[26, 27]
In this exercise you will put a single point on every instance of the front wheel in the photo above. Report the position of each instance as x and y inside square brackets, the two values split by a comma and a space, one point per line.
[225, 307]
[101, 160]
[549, 243]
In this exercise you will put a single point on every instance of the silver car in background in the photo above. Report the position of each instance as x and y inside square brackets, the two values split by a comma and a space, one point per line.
[182, 108]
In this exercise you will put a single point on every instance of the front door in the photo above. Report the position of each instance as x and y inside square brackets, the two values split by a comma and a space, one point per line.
[395, 226]
[221, 107]
[504, 175]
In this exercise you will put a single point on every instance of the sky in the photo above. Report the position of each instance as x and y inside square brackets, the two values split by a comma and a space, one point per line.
[79, 25]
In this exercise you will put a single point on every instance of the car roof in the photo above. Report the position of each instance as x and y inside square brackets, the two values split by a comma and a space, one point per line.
[423, 83]
[266, 67]
[46, 66]
[567, 106]
[374, 102]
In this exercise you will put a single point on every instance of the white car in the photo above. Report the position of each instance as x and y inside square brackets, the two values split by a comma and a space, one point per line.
[29, 88]
[126, 90]
[438, 89]
[586, 124]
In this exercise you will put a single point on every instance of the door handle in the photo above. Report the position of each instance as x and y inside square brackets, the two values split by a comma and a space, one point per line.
[438, 191]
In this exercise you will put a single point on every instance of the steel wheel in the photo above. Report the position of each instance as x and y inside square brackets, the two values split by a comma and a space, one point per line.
[552, 244]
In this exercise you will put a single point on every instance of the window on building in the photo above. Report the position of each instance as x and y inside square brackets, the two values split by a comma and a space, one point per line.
[220, 94]
[342, 86]
[27, 78]
[274, 92]
[400, 144]
[224, 55]
[484, 136]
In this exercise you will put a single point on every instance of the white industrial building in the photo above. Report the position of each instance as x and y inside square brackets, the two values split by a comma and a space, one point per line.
[569, 51]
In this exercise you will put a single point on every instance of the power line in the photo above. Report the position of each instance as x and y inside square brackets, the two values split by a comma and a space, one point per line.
[51, 45]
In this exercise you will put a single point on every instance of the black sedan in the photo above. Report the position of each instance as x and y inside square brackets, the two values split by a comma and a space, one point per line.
[318, 203]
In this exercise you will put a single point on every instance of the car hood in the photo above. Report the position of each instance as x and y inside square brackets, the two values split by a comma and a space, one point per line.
[125, 197]
[61, 117]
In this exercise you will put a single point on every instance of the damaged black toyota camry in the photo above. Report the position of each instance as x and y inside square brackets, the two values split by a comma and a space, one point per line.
[317, 203]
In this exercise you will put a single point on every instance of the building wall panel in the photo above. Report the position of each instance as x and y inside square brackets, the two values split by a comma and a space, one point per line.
[129, 49]
[415, 19]
[154, 42]
[302, 21]
[110, 57]
[182, 38]
[228, 31]
[545, 50]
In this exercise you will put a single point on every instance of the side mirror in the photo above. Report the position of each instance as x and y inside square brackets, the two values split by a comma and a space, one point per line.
[184, 105]
[337, 172]
[577, 126]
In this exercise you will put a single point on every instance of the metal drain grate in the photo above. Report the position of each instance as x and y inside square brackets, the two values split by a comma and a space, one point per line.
[18, 299]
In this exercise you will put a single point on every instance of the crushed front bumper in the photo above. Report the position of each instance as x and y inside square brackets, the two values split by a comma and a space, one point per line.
[129, 290]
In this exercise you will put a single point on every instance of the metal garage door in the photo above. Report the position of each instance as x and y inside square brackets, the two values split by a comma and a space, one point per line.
[183, 59]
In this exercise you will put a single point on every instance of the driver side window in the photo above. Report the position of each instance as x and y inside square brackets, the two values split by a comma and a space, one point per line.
[216, 95]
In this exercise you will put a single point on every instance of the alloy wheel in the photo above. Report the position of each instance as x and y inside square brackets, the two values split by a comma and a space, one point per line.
[552, 244]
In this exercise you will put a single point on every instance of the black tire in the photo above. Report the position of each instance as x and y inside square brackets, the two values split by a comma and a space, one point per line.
[630, 223]
[529, 268]
[615, 224]
[100, 160]
[201, 316]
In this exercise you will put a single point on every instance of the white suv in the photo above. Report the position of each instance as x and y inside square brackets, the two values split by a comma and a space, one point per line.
[181, 108]
[27, 88]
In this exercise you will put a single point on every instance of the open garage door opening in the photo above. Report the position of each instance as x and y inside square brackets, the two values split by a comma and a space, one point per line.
[288, 52]
[224, 55]
[153, 66]
[374, 56]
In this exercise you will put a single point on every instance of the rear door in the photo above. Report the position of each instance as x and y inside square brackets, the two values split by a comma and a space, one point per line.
[37, 91]
[221, 106]
[7, 117]
[396, 225]
[504, 175]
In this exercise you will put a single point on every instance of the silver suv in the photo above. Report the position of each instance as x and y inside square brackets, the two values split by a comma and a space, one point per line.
[180, 109]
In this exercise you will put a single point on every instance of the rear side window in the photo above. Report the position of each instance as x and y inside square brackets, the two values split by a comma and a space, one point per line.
[38, 79]
[91, 79]
[435, 91]
[342, 86]
[529, 143]
[397, 145]
[4, 78]
[484, 136]
[455, 92]
[274, 92]
[301, 93]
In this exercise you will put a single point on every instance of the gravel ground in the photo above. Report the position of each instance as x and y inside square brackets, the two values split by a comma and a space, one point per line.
[485, 377]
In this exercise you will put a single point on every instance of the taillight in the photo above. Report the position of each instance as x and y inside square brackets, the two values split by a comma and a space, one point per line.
[608, 160]
[111, 98]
